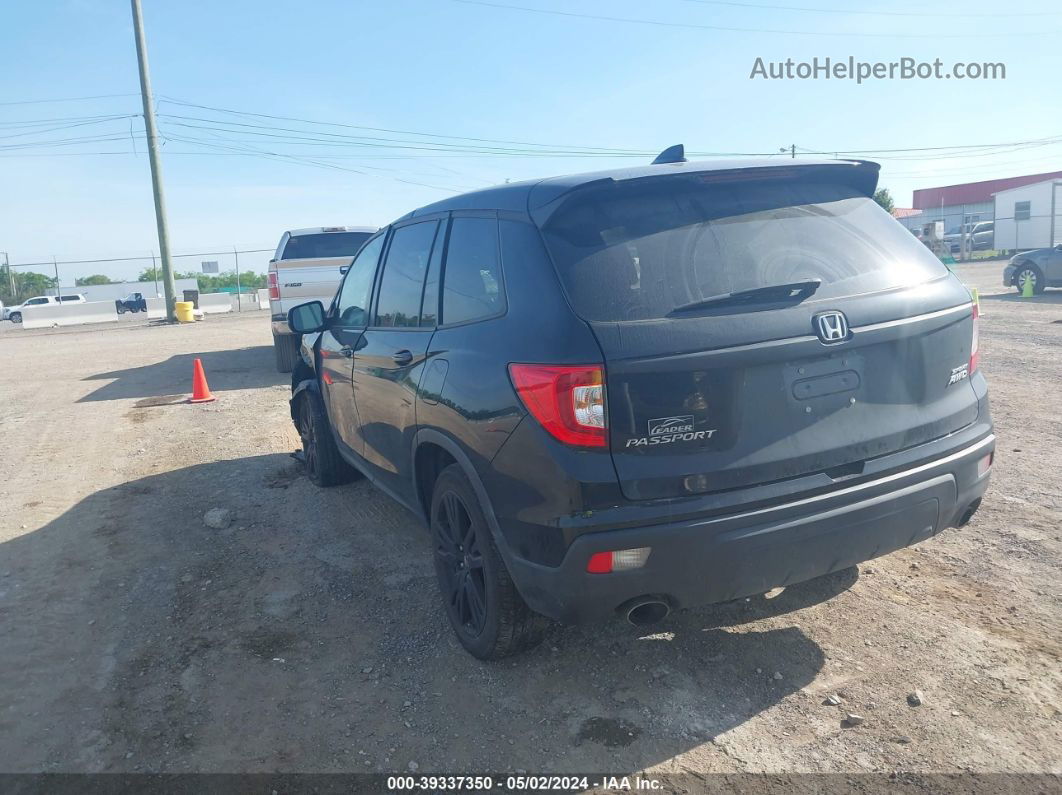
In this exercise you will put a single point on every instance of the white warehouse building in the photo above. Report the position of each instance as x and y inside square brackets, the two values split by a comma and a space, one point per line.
[1029, 216]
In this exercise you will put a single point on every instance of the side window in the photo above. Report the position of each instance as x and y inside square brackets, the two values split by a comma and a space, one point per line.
[472, 283]
[352, 306]
[36, 301]
[1022, 211]
[403, 275]
[429, 307]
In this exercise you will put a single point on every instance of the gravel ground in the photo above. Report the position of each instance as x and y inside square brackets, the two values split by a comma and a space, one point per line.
[306, 634]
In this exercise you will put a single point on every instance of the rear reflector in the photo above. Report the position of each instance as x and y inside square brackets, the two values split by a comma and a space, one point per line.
[274, 287]
[617, 560]
[984, 464]
[975, 356]
[567, 400]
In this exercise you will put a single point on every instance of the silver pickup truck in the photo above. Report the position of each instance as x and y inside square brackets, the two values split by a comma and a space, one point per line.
[308, 266]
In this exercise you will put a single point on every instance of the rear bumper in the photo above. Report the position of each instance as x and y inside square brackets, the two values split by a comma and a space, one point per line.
[716, 559]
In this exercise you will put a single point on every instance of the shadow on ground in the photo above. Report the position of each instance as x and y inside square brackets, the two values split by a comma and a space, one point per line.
[307, 636]
[240, 368]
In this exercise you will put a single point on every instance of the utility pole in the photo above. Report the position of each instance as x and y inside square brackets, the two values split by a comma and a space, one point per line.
[1054, 213]
[153, 159]
[58, 289]
[10, 275]
[792, 150]
[239, 298]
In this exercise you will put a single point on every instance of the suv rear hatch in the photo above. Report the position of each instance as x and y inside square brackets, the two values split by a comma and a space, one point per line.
[859, 347]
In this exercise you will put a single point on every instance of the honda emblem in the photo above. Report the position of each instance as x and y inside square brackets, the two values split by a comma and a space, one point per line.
[831, 327]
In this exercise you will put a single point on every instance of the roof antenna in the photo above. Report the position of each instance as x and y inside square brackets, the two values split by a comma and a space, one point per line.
[673, 154]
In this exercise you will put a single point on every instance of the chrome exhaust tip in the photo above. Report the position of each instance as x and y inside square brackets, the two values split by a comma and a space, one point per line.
[643, 612]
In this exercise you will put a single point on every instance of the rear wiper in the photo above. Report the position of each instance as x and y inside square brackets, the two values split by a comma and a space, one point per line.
[773, 292]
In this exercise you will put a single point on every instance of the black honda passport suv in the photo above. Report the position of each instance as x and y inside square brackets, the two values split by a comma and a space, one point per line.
[646, 389]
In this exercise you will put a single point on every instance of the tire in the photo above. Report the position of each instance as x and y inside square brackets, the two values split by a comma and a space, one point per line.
[16, 317]
[286, 350]
[487, 614]
[1027, 271]
[121, 310]
[324, 465]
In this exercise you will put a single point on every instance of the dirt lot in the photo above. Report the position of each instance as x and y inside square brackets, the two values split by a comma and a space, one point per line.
[308, 636]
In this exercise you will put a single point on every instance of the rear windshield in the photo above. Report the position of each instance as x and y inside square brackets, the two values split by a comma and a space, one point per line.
[638, 251]
[325, 244]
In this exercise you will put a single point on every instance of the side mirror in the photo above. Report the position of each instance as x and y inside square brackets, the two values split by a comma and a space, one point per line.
[306, 318]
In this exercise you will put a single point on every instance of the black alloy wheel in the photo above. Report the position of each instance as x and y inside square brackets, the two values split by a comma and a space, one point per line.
[459, 562]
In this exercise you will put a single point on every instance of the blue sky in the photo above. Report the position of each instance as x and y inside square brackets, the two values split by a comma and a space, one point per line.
[471, 70]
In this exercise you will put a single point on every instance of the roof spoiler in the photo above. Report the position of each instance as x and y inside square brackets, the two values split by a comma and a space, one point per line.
[673, 154]
[862, 175]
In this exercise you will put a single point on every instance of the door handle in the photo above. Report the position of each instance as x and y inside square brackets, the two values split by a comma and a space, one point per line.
[347, 351]
[402, 357]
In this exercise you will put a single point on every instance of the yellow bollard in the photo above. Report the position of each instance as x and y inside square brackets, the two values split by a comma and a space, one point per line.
[1027, 289]
[184, 311]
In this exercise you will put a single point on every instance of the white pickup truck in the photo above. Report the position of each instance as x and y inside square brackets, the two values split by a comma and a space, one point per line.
[308, 266]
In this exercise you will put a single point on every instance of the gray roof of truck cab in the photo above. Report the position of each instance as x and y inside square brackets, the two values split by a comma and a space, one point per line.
[529, 195]
[327, 230]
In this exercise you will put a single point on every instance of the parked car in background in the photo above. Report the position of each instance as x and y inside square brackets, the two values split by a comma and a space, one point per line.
[632, 391]
[1041, 266]
[307, 266]
[134, 302]
[14, 313]
[979, 237]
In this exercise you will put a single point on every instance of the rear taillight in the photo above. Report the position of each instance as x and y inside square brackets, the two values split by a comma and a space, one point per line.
[975, 356]
[274, 288]
[567, 400]
[617, 560]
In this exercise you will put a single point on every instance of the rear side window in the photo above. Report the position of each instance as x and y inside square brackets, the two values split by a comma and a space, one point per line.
[352, 303]
[472, 281]
[403, 276]
[638, 251]
[325, 244]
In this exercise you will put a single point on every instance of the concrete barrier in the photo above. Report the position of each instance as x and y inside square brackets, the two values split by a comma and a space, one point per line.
[156, 308]
[46, 315]
[263, 298]
[246, 302]
[215, 303]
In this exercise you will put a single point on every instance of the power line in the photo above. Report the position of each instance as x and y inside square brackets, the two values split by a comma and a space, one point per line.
[927, 14]
[64, 119]
[66, 99]
[174, 101]
[64, 127]
[735, 29]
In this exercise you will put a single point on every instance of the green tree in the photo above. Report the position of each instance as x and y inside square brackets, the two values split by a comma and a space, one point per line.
[96, 278]
[27, 285]
[212, 283]
[884, 198]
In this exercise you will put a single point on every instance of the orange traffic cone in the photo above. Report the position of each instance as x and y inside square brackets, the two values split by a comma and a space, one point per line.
[200, 391]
